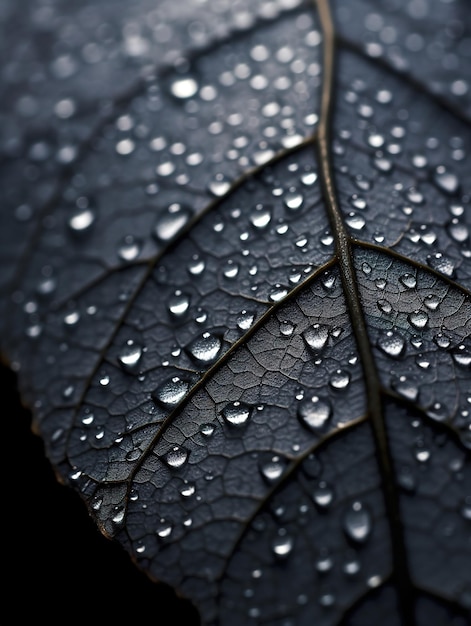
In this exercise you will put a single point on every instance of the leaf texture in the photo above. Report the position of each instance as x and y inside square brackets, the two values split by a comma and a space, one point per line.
[237, 294]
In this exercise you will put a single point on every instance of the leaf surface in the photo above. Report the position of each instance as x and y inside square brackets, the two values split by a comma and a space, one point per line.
[237, 294]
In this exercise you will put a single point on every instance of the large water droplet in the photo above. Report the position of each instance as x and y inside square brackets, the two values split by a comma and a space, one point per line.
[392, 344]
[170, 393]
[237, 413]
[314, 412]
[316, 337]
[205, 348]
[357, 523]
[171, 222]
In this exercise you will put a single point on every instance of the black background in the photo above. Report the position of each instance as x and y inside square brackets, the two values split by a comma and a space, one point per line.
[58, 566]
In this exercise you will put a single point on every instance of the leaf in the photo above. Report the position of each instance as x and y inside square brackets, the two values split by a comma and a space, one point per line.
[237, 295]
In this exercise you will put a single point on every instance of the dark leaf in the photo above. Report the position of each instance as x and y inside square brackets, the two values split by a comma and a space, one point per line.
[236, 293]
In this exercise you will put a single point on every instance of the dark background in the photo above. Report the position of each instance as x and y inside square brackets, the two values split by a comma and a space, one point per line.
[59, 567]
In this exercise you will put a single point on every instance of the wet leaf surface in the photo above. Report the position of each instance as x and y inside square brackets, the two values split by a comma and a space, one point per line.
[236, 294]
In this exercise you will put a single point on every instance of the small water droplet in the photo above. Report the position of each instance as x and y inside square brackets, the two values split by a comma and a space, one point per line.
[260, 216]
[207, 430]
[323, 495]
[406, 388]
[272, 468]
[328, 280]
[340, 379]
[170, 393]
[384, 306]
[316, 337]
[418, 319]
[286, 328]
[179, 303]
[458, 231]
[205, 348]
[171, 222]
[245, 320]
[461, 356]
[357, 523]
[314, 412]
[355, 221]
[408, 280]
[432, 301]
[130, 356]
[176, 457]
[119, 514]
[293, 199]
[129, 248]
[237, 413]
[445, 180]
[278, 293]
[231, 269]
[219, 186]
[184, 87]
[441, 263]
[196, 266]
[81, 222]
[392, 344]
[188, 490]
[282, 546]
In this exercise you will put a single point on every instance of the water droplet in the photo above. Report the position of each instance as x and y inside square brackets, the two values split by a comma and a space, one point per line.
[458, 230]
[119, 514]
[164, 529]
[392, 344]
[314, 412]
[323, 495]
[272, 468]
[432, 301]
[170, 393]
[418, 319]
[406, 388]
[171, 222]
[422, 453]
[340, 379]
[357, 523]
[293, 200]
[237, 413]
[196, 266]
[366, 268]
[286, 328]
[328, 280]
[278, 293]
[355, 221]
[260, 216]
[130, 356]
[81, 222]
[184, 87]
[245, 320]
[351, 567]
[205, 348]
[442, 340]
[179, 303]
[445, 180]
[188, 490]
[176, 457]
[219, 186]
[384, 306]
[461, 356]
[408, 280]
[316, 337]
[129, 248]
[282, 546]
[207, 430]
[309, 178]
[231, 269]
[441, 263]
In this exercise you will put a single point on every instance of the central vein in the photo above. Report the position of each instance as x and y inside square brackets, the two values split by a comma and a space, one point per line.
[349, 282]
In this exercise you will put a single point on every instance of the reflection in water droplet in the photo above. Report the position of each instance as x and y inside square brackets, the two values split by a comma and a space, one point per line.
[314, 412]
[237, 413]
[205, 348]
[170, 393]
[392, 344]
[357, 523]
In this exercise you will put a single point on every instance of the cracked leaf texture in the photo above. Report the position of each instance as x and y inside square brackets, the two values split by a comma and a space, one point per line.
[236, 291]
